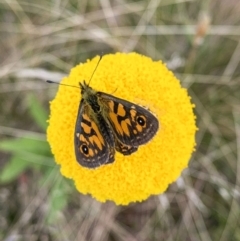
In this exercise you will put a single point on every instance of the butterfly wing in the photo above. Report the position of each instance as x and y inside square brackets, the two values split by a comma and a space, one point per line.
[124, 149]
[92, 149]
[132, 124]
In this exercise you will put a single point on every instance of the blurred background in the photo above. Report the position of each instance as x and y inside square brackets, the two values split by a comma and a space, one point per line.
[197, 39]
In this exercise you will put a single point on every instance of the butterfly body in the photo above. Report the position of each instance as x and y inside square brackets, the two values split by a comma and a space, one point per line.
[106, 124]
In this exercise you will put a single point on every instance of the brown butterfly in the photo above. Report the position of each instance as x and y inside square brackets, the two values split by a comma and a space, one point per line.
[106, 124]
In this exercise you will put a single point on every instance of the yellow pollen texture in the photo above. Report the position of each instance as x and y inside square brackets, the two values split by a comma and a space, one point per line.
[155, 165]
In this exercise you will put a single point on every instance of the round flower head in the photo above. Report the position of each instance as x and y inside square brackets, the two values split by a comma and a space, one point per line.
[149, 170]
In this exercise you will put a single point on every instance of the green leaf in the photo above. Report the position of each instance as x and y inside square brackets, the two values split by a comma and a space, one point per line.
[13, 169]
[38, 112]
[23, 145]
[58, 199]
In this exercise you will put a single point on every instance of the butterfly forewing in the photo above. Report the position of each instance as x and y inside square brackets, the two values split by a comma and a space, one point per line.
[132, 124]
[91, 148]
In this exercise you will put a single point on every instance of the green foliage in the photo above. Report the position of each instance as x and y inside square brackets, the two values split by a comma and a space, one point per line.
[28, 153]
[13, 168]
[24, 145]
[37, 112]
[57, 199]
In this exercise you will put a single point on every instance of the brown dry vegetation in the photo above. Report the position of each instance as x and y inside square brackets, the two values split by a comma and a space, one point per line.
[42, 40]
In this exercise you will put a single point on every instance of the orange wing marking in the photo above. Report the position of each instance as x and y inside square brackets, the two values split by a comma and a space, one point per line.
[122, 128]
[94, 139]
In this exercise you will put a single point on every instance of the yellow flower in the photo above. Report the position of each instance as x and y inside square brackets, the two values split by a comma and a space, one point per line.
[154, 166]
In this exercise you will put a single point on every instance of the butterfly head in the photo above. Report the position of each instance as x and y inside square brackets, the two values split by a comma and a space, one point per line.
[84, 87]
[86, 91]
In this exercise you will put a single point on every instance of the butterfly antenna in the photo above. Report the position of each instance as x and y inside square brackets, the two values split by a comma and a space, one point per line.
[53, 82]
[94, 70]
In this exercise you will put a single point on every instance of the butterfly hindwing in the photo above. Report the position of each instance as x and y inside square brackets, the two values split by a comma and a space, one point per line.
[132, 124]
[124, 149]
[92, 147]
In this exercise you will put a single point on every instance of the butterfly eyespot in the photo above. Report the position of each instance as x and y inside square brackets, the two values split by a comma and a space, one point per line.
[141, 121]
[85, 149]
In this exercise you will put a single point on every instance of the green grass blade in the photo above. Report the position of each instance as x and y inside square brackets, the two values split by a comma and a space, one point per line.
[13, 169]
[38, 113]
